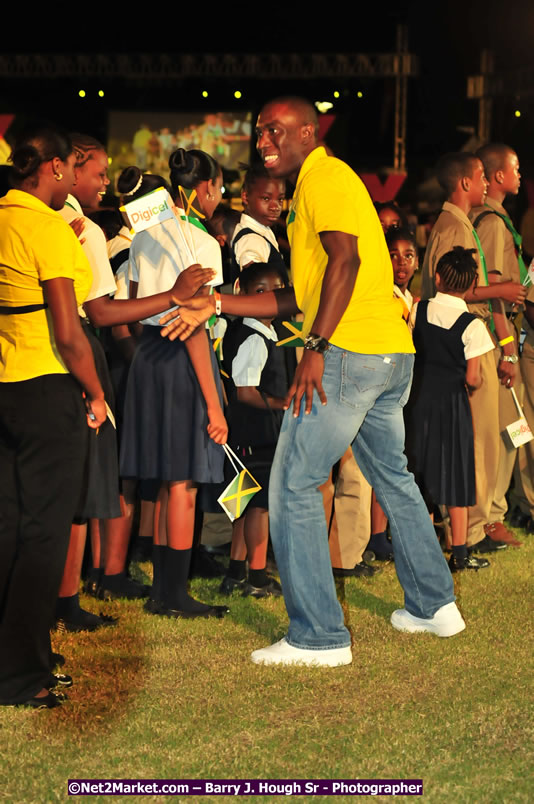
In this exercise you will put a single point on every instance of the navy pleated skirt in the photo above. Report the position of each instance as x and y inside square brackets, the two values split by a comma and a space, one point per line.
[439, 443]
[165, 433]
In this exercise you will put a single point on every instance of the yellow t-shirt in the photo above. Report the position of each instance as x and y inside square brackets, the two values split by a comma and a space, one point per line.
[35, 245]
[329, 197]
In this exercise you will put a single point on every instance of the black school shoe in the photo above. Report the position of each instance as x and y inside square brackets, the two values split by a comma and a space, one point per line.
[361, 570]
[456, 565]
[205, 565]
[230, 585]
[49, 701]
[59, 680]
[121, 587]
[211, 611]
[272, 589]
[152, 606]
[518, 519]
[87, 622]
[380, 545]
[487, 545]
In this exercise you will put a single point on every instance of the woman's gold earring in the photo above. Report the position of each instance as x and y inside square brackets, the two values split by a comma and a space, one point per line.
[58, 176]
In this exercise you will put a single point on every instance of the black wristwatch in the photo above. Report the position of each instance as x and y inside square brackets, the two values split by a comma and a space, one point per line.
[316, 343]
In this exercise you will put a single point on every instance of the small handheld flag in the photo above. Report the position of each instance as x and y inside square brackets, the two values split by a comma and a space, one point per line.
[295, 339]
[239, 492]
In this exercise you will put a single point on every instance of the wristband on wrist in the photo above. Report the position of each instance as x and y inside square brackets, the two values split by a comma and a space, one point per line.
[504, 341]
[218, 302]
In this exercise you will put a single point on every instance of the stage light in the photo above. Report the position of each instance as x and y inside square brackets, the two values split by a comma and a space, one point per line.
[81, 93]
[323, 106]
[517, 113]
[360, 94]
[237, 94]
[336, 94]
[204, 94]
[100, 93]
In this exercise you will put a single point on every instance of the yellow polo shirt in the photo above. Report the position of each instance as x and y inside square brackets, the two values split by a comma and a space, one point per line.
[330, 197]
[35, 245]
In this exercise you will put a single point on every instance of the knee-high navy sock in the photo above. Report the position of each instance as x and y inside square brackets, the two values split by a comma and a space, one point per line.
[158, 557]
[175, 575]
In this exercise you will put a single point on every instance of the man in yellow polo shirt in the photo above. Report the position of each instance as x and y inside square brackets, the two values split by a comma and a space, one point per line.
[355, 376]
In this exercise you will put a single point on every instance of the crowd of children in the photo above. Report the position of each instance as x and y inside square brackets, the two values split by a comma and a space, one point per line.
[174, 416]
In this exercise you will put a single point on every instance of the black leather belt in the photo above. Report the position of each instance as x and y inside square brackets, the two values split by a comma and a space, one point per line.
[25, 308]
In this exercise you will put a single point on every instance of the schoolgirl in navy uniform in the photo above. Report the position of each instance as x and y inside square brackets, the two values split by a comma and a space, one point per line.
[101, 498]
[449, 342]
[174, 425]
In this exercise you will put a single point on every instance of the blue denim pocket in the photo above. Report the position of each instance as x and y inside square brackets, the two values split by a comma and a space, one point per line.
[364, 378]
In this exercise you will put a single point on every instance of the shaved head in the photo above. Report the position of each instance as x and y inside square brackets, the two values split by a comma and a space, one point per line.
[286, 133]
[304, 111]
[493, 157]
[452, 167]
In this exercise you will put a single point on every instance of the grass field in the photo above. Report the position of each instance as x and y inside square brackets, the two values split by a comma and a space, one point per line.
[165, 699]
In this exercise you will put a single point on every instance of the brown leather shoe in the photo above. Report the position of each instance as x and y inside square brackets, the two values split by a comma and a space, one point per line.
[499, 533]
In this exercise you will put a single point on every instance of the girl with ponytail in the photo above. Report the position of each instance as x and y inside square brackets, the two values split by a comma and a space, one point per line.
[174, 424]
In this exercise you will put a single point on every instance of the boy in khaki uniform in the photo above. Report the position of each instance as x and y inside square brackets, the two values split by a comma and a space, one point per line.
[524, 467]
[462, 177]
[498, 239]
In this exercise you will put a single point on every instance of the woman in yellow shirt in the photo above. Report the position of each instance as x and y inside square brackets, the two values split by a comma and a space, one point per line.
[45, 363]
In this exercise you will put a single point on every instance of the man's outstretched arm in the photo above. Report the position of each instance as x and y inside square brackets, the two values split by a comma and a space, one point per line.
[193, 312]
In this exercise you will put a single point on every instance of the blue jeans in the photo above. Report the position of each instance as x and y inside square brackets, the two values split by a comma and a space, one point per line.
[365, 395]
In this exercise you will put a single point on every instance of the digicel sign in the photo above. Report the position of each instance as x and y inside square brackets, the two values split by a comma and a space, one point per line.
[149, 210]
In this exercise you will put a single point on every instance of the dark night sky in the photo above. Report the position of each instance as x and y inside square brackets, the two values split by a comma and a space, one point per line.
[452, 31]
[447, 36]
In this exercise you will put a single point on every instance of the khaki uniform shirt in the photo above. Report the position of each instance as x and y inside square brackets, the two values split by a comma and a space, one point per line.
[452, 228]
[497, 244]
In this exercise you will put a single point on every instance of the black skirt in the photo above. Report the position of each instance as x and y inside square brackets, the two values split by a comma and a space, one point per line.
[100, 491]
[439, 444]
[165, 433]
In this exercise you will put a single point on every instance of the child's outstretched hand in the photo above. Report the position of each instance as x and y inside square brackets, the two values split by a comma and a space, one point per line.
[217, 427]
[192, 280]
[78, 225]
[183, 322]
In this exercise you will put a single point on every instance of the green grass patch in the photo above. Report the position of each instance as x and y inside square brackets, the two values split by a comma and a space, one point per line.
[171, 699]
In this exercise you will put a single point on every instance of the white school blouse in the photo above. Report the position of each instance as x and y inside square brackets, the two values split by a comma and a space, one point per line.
[252, 355]
[158, 255]
[96, 251]
[444, 310]
[253, 247]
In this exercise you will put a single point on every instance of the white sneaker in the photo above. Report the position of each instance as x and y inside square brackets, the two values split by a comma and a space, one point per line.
[447, 621]
[284, 653]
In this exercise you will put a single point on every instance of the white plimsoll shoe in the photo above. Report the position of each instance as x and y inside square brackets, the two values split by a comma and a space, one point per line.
[446, 622]
[284, 653]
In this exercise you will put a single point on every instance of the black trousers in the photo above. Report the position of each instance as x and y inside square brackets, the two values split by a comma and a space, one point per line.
[42, 452]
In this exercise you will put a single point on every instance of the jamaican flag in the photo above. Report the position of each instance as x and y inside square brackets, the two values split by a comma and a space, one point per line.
[238, 493]
[295, 338]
